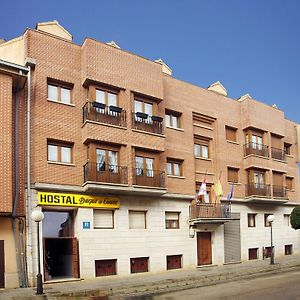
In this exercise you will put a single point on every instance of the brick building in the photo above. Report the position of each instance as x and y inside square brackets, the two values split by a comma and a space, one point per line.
[118, 148]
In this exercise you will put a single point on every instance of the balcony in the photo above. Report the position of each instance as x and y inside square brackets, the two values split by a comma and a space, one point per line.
[147, 177]
[99, 112]
[258, 189]
[144, 122]
[279, 191]
[256, 149]
[278, 154]
[210, 212]
[105, 174]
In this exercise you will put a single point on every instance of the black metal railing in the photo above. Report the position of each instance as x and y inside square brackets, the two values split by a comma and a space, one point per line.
[279, 191]
[99, 112]
[105, 173]
[144, 122]
[256, 149]
[258, 189]
[210, 210]
[278, 154]
[148, 177]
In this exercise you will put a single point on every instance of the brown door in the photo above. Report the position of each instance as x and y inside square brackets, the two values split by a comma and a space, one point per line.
[204, 248]
[2, 266]
[75, 258]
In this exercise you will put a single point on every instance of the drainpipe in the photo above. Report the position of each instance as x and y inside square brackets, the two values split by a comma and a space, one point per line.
[30, 63]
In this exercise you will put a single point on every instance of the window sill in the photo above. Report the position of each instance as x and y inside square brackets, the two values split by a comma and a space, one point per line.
[234, 183]
[104, 124]
[264, 157]
[201, 126]
[175, 128]
[232, 142]
[60, 163]
[203, 158]
[174, 176]
[59, 102]
[279, 160]
[289, 155]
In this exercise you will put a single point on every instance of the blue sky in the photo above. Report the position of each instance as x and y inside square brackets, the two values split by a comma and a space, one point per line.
[251, 46]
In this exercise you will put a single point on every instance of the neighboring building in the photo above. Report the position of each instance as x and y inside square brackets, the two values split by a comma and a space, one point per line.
[118, 149]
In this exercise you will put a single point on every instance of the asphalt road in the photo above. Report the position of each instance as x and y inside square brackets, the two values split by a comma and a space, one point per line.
[284, 286]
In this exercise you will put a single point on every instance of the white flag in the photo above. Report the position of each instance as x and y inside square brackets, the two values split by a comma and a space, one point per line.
[202, 190]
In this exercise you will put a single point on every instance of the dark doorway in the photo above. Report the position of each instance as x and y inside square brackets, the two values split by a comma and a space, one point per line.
[204, 248]
[2, 265]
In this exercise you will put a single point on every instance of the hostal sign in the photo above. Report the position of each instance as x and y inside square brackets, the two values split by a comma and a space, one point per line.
[77, 200]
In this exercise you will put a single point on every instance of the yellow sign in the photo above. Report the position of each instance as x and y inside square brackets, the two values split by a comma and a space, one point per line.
[77, 200]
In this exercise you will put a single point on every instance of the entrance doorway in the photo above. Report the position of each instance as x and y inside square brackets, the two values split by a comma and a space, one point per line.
[2, 266]
[204, 252]
[60, 247]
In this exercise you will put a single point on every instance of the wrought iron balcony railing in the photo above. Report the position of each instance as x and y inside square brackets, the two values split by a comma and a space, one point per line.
[99, 112]
[210, 211]
[279, 191]
[256, 149]
[105, 173]
[148, 177]
[258, 189]
[278, 154]
[142, 121]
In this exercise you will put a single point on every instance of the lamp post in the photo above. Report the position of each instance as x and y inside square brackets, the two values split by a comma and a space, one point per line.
[270, 219]
[38, 216]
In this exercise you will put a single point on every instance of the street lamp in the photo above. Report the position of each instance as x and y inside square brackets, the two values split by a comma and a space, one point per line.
[38, 216]
[270, 219]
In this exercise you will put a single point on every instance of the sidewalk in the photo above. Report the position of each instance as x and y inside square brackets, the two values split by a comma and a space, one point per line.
[147, 284]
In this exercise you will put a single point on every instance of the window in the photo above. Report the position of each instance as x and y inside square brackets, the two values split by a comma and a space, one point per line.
[105, 267]
[173, 119]
[143, 107]
[139, 264]
[59, 93]
[137, 219]
[142, 164]
[286, 218]
[287, 148]
[230, 133]
[267, 223]
[201, 147]
[59, 152]
[259, 179]
[289, 183]
[103, 219]
[253, 253]
[107, 98]
[251, 220]
[256, 142]
[172, 220]
[267, 252]
[288, 249]
[174, 167]
[174, 262]
[232, 174]
[107, 160]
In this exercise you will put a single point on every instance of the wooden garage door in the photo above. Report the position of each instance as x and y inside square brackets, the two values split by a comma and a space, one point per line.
[2, 266]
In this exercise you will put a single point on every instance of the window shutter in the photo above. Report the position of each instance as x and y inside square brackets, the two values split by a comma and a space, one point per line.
[289, 183]
[137, 219]
[232, 174]
[103, 219]
[172, 215]
[230, 134]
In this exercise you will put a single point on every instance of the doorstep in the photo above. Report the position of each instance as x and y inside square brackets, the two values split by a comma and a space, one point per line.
[60, 280]
[206, 266]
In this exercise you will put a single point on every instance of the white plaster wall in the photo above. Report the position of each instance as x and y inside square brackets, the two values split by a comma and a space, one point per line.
[260, 236]
[122, 243]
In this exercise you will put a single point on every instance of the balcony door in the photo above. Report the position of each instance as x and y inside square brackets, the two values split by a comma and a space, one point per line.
[256, 183]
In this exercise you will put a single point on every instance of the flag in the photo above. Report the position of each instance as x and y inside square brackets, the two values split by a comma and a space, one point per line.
[218, 188]
[202, 190]
[230, 194]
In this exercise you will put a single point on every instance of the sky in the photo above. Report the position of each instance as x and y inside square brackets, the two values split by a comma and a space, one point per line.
[250, 46]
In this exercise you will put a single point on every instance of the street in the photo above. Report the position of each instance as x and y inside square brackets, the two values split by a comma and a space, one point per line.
[280, 286]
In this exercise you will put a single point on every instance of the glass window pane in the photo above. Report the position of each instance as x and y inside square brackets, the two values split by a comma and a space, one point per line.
[100, 153]
[168, 120]
[174, 122]
[169, 168]
[204, 151]
[100, 96]
[113, 161]
[254, 141]
[52, 153]
[112, 99]
[139, 165]
[66, 154]
[149, 167]
[176, 169]
[148, 109]
[138, 106]
[65, 95]
[52, 92]
[197, 150]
